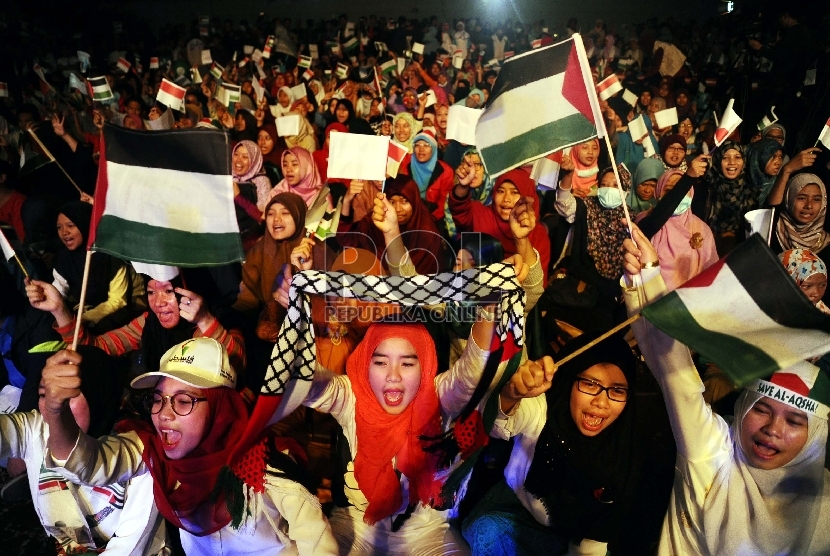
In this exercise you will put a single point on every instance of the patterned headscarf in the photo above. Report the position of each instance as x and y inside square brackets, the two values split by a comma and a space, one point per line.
[801, 264]
[790, 232]
[732, 198]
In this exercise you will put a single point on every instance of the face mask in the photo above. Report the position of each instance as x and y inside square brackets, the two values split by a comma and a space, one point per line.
[609, 197]
[683, 206]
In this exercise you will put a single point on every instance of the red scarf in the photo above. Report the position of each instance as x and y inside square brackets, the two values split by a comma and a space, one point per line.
[189, 506]
[381, 436]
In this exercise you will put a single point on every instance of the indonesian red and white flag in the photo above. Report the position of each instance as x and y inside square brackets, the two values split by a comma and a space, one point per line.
[154, 62]
[308, 74]
[394, 158]
[536, 43]
[729, 122]
[609, 87]
[123, 65]
[824, 138]
[171, 95]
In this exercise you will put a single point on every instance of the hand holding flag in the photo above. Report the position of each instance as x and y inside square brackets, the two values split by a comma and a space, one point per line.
[729, 122]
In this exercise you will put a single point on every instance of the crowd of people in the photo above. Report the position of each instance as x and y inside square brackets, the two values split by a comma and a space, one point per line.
[178, 463]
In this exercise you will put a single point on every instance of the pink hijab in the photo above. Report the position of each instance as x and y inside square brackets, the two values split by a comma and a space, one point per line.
[685, 244]
[254, 174]
[584, 177]
[310, 184]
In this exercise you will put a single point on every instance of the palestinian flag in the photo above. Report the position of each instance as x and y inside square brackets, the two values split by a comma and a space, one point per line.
[216, 70]
[234, 92]
[165, 198]
[389, 68]
[350, 45]
[542, 101]
[342, 70]
[746, 314]
[171, 95]
[304, 62]
[123, 65]
[100, 89]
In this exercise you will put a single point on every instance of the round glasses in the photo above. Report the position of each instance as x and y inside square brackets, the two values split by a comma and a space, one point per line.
[593, 388]
[181, 403]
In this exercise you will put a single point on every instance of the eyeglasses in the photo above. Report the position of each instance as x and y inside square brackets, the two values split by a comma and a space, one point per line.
[676, 149]
[181, 403]
[594, 388]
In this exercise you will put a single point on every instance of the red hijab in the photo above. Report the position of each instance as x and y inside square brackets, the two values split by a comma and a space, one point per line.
[381, 436]
[189, 505]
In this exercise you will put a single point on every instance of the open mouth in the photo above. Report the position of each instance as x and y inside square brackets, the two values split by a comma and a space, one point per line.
[393, 397]
[592, 423]
[170, 438]
[764, 451]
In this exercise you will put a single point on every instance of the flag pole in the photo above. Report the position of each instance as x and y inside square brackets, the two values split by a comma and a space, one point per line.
[595, 341]
[55, 160]
[81, 303]
[20, 264]
[619, 182]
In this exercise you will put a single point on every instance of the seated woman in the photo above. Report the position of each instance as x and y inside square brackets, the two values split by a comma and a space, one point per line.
[301, 177]
[752, 486]
[391, 396]
[473, 216]
[419, 232]
[114, 291]
[175, 315]
[765, 159]
[573, 471]
[256, 504]
[585, 293]
[121, 517]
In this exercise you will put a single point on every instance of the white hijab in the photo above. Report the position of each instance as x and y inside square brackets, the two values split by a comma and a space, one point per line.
[756, 512]
[279, 110]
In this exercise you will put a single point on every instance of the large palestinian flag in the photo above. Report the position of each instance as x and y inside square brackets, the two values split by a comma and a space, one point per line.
[166, 198]
[746, 314]
[542, 101]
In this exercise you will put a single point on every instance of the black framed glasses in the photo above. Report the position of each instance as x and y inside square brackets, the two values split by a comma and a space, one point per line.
[181, 403]
[594, 388]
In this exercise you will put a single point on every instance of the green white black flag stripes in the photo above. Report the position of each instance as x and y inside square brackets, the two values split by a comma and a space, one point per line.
[166, 198]
[542, 101]
[746, 314]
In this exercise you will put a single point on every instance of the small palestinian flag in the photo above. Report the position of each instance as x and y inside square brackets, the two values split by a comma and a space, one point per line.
[389, 68]
[188, 170]
[4, 90]
[308, 74]
[304, 61]
[204, 25]
[216, 70]
[542, 101]
[154, 62]
[745, 314]
[609, 87]
[342, 71]
[171, 95]
[99, 89]
[123, 65]
[768, 119]
[381, 46]
[333, 45]
[234, 92]
[351, 44]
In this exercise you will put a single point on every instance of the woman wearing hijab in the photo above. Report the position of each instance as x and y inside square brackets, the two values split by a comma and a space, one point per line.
[686, 128]
[247, 168]
[128, 521]
[474, 99]
[765, 160]
[582, 169]
[271, 146]
[481, 188]
[595, 258]
[729, 197]
[113, 290]
[321, 156]
[641, 197]
[301, 176]
[256, 502]
[673, 152]
[756, 485]
[419, 232]
[801, 216]
[404, 128]
[345, 115]
[391, 397]
[474, 216]
[434, 177]
[776, 132]
[244, 127]
[809, 273]
[573, 471]
[284, 101]
[685, 244]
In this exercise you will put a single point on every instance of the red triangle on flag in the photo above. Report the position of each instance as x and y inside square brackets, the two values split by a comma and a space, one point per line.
[705, 278]
[573, 89]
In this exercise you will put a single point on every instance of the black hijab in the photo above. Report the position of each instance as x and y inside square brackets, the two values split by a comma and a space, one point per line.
[586, 483]
[155, 339]
[102, 389]
[70, 264]
[354, 124]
